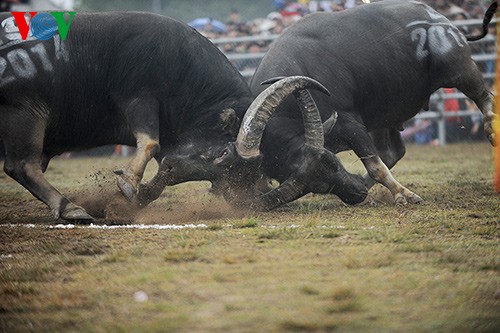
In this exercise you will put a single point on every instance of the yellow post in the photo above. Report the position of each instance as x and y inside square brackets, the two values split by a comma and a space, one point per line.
[497, 123]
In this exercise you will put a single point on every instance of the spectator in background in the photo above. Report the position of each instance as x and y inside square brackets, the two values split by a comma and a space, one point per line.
[292, 12]
[349, 4]
[475, 130]
[452, 123]
[235, 26]
[473, 8]
[475, 127]
[250, 64]
[422, 131]
[234, 17]
[278, 25]
[325, 6]
[491, 44]
[280, 4]
[457, 15]
[457, 128]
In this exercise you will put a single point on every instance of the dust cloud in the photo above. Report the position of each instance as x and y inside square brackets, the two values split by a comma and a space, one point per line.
[107, 205]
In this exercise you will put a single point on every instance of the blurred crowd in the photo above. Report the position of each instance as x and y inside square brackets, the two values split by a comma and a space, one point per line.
[287, 12]
[460, 9]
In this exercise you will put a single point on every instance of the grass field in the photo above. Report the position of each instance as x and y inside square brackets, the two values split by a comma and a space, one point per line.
[314, 266]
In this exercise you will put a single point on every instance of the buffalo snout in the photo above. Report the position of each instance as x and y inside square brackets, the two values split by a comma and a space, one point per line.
[352, 190]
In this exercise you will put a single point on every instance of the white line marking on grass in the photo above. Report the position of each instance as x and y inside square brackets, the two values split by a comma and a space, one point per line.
[155, 226]
[110, 227]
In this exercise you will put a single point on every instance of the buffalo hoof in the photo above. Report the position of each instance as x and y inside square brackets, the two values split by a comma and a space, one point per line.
[489, 130]
[414, 199]
[128, 190]
[119, 172]
[74, 212]
[369, 201]
[492, 139]
[408, 198]
[142, 197]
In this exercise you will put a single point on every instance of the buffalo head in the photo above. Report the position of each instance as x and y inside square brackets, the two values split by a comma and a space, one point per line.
[235, 168]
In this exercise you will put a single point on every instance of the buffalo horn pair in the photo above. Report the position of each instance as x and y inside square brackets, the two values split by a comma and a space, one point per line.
[259, 113]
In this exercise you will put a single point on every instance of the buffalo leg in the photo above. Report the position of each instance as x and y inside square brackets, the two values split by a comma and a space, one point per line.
[142, 116]
[356, 137]
[390, 148]
[381, 174]
[153, 189]
[290, 190]
[23, 164]
[472, 85]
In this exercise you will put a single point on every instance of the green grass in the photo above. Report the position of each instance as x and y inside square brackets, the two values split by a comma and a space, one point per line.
[314, 266]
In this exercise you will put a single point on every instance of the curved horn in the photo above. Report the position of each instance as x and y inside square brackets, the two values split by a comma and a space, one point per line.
[314, 131]
[290, 190]
[313, 127]
[330, 122]
[259, 112]
[273, 80]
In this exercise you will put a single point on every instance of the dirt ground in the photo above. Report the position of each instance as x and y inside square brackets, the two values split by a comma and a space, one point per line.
[191, 263]
[94, 188]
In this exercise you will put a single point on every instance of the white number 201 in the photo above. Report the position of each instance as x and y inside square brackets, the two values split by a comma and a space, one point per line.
[435, 39]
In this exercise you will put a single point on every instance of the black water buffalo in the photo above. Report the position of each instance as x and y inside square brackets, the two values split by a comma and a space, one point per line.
[381, 62]
[121, 78]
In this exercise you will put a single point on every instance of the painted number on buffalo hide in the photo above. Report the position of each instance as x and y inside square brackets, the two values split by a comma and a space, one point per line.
[436, 39]
[26, 59]
[437, 36]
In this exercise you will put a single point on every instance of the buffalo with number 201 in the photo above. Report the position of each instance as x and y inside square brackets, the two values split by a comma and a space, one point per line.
[381, 62]
[126, 78]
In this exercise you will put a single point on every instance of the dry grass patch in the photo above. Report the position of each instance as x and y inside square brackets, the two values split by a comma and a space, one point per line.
[316, 265]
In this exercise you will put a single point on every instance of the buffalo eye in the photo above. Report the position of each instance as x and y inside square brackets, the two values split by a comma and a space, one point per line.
[224, 153]
[223, 156]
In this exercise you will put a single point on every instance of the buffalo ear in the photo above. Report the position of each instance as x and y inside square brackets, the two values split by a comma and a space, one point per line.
[228, 120]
